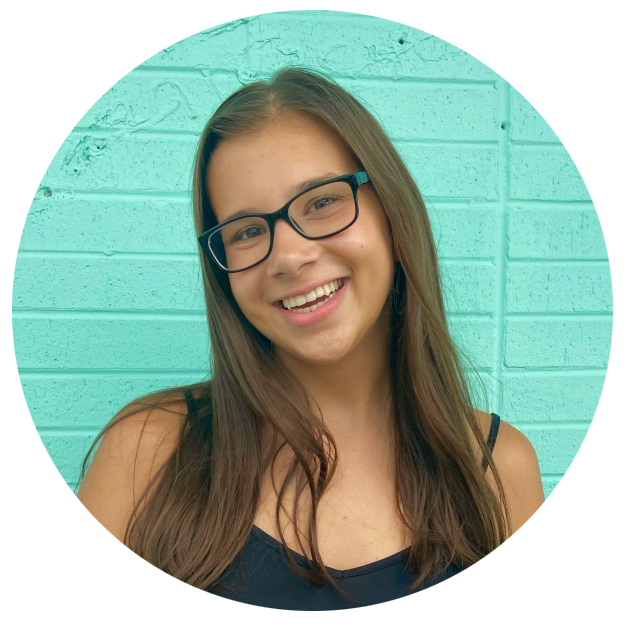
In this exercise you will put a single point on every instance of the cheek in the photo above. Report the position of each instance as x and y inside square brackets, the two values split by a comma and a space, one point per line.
[377, 241]
[386, 238]
[238, 292]
[245, 293]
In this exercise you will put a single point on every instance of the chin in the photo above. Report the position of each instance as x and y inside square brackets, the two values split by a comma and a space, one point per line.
[319, 355]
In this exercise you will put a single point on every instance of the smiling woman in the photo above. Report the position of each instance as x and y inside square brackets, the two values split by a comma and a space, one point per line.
[352, 242]
[335, 459]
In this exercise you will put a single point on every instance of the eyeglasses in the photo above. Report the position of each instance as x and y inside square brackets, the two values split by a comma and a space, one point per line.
[321, 211]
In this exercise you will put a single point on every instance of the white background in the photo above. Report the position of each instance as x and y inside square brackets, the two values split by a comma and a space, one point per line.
[59, 565]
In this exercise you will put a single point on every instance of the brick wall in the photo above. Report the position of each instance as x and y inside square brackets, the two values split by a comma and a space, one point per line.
[107, 293]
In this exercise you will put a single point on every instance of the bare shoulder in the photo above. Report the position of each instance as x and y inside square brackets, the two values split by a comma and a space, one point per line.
[516, 462]
[130, 454]
[147, 433]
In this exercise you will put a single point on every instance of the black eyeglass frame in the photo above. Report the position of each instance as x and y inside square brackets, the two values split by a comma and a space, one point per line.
[354, 180]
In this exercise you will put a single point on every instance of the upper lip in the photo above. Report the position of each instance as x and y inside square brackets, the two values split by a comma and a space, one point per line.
[307, 289]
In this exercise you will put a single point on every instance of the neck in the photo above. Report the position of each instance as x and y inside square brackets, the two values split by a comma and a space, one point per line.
[351, 396]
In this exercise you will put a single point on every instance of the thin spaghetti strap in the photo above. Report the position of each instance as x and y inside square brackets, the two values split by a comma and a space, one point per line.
[492, 437]
[191, 407]
[494, 430]
[199, 415]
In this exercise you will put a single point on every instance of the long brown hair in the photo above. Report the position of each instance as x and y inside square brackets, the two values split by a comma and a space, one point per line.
[197, 512]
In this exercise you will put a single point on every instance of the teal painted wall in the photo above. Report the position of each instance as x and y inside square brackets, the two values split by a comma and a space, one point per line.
[107, 292]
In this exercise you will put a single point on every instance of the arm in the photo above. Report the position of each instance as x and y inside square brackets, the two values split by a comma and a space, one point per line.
[517, 464]
[129, 455]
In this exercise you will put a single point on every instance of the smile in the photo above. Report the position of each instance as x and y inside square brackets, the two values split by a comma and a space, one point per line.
[319, 309]
[317, 297]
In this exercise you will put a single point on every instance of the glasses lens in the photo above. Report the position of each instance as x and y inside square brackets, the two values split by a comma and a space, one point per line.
[320, 212]
[242, 243]
[325, 210]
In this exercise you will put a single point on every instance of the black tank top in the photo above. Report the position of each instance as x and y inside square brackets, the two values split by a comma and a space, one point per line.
[260, 574]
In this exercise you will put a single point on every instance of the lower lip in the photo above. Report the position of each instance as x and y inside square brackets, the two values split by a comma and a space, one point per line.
[304, 319]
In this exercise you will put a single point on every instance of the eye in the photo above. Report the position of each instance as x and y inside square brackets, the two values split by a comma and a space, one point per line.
[244, 235]
[322, 202]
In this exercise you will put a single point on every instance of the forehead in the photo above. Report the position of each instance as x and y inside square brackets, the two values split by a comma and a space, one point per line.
[255, 171]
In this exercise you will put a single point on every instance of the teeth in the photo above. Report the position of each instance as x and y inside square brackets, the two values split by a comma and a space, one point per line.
[314, 306]
[299, 300]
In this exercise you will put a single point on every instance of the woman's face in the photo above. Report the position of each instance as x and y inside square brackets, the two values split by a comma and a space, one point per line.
[257, 173]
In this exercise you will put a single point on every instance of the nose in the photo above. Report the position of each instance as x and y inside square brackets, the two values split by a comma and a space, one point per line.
[290, 250]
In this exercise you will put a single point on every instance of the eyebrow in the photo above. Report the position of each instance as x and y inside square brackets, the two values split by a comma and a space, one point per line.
[293, 190]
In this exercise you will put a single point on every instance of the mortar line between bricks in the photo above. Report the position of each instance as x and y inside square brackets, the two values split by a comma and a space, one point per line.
[535, 143]
[573, 204]
[186, 70]
[174, 133]
[80, 430]
[328, 16]
[248, 42]
[152, 315]
[470, 316]
[598, 372]
[192, 256]
[554, 369]
[504, 194]
[410, 79]
[460, 203]
[437, 143]
[482, 84]
[160, 133]
[568, 262]
[538, 145]
[80, 255]
[81, 374]
[559, 316]
[131, 194]
[134, 194]
[110, 315]
[486, 261]
[546, 426]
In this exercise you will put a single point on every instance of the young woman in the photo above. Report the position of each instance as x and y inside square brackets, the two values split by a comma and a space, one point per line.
[334, 459]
